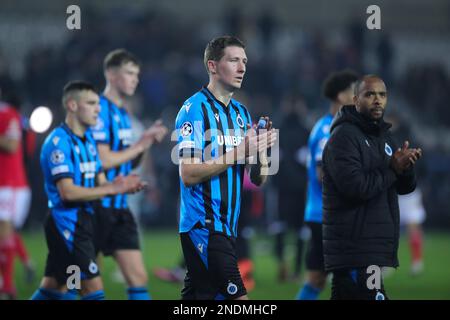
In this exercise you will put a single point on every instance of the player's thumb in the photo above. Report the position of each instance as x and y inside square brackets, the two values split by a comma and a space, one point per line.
[405, 145]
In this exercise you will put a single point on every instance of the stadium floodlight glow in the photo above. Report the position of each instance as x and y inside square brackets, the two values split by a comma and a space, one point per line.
[41, 119]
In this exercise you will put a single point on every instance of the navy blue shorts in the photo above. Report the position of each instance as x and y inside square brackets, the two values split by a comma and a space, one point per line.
[212, 268]
[115, 229]
[70, 246]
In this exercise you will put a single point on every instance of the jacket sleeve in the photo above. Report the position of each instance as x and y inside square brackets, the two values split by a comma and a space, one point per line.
[406, 182]
[343, 162]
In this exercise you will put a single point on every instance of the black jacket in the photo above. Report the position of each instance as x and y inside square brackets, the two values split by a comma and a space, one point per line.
[360, 203]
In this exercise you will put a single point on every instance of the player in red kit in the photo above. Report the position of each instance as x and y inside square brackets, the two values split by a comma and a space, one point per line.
[14, 193]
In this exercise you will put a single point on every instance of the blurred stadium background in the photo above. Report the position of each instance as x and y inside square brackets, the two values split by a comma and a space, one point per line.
[292, 46]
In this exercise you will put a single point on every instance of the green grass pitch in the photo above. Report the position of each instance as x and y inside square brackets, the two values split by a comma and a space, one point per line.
[162, 248]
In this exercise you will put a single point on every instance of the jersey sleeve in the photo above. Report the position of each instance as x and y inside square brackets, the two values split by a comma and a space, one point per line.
[190, 130]
[58, 156]
[319, 148]
[101, 131]
[321, 137]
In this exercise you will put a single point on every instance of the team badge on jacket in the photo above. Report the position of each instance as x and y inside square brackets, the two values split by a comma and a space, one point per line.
[388, 149]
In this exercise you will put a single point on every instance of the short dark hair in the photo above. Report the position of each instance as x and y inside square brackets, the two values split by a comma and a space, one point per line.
[215, 49]
[118, 57]
[74, 87]
[362, 79]
[338, 82]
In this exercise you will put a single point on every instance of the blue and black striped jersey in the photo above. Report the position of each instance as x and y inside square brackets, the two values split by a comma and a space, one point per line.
[114, 128]
[207, 129]
[66, 155]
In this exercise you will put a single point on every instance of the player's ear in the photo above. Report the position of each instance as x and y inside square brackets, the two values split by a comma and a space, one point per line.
[71, 105]
[355, 99]
[212, 66]
[110, 74]
[340, 97]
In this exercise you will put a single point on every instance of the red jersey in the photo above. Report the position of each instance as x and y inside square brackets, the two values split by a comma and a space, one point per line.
[12, 170]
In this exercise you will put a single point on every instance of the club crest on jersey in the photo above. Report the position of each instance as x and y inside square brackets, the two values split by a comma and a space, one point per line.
[92, 150]
[239, 121]
[57, 156]
[232, 288]
[186, 129]
[93, 267]
[380, 296]
[388, 149]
